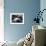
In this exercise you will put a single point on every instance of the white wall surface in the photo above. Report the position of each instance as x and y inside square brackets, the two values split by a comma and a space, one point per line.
[1, 20]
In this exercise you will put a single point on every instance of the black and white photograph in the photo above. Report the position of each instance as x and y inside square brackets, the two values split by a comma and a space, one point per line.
[17, 18]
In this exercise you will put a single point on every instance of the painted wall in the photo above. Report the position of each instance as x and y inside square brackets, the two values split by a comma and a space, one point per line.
[43, 6]
[29, 8]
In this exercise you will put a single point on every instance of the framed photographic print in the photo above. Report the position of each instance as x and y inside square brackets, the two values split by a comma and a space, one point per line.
[16, 18]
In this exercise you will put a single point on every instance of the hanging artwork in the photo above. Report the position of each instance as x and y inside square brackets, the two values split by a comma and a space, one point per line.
[16, 18]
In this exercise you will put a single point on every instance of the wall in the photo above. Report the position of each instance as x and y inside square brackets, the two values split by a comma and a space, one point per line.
[43, 6]
[29, 8]
[1, 20]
